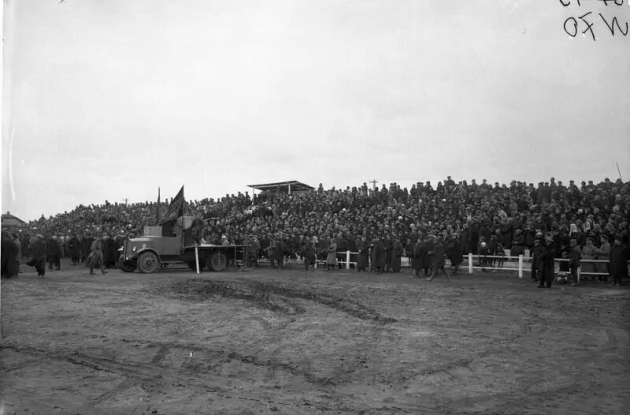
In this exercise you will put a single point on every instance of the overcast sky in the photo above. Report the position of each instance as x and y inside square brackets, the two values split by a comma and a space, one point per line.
[109, 100]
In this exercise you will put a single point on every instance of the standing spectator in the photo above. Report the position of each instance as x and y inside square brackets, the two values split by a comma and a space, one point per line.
[427, 259]
[280, 251]
[548, 258]
[309, 255]
[417, 263]
[53, 254]
[10, 264]
[602, 255]
[75, 249]
[537, 253]
[397, 252]
[331, 259]
[618, 258]
[457, 255]
[574, 261]
[378, 256]
[588, 253]
[439, 260]
[364, 254]
[95, 259]
[39, 255]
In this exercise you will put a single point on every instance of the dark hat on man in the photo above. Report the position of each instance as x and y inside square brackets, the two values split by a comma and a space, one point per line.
[618, 238]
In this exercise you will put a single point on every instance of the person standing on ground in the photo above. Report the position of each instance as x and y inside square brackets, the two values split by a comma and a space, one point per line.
[364, 254]
[618, 258]
[548, 262]
[39, 255]
[397, 252]
[537, 252]
[602, 255]
[309, 255]
[439, 260]
[95, 260]
[75, 249]
[378, 256]
[457, 256]
[331, 259]
[588, 253]
[575, 255]
[417, 262]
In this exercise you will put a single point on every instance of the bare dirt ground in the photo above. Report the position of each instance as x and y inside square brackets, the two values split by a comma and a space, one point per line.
[265, 341]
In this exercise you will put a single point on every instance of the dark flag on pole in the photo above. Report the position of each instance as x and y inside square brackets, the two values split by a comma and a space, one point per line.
[158, 210]
[176, 208]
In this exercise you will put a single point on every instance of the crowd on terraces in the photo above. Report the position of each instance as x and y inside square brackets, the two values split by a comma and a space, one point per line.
[505, 216]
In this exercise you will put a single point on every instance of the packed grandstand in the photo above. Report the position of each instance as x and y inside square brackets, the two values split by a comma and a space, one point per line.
[505, 217]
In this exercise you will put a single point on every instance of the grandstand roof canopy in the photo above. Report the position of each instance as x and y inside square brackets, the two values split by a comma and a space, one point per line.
[283, 187]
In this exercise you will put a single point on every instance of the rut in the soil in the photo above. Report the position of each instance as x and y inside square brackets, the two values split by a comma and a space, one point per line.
[270, 296]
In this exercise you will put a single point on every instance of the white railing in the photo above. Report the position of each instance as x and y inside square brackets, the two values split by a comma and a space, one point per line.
[507, 262]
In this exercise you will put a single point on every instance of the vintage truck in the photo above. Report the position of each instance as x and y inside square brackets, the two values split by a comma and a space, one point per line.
[159, 247]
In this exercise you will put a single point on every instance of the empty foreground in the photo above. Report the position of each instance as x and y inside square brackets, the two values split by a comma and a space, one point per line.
[287, 342]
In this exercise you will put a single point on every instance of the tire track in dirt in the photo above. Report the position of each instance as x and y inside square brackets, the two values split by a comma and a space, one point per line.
[269, 296]
[110, 394]
[154, 373]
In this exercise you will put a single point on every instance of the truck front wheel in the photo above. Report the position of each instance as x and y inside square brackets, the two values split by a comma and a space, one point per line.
[126, 266]
[148, 262]
[218, 262]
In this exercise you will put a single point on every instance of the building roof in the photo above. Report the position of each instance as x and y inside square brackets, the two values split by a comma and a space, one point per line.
[9, 220]
[283, 186]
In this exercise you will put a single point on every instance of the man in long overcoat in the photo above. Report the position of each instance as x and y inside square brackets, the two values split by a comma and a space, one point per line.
[429, 247]
[74, 246]
[363, 259]
[53, 253]
[418, 257]
[548, 262]
[39, 255]
[457, 255]
[378, 256]
[618, 257]
[397, 252]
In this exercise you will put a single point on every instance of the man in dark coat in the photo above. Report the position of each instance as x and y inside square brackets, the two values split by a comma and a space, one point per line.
[575, 255]
[457, 255]
[363, 258]
[10, 264]
[618, 257]
[39, 255]
[537, 251]
[397, 252]
[86, 247]
[378, 256]
[439, 259]
[427, 259]
[75, 249]
[53, 253]
[109, 252]
[418, 257]
[548, 261]
[309, 253]
[281, 248]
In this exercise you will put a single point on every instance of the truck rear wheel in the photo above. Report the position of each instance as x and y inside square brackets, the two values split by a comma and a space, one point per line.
[148, 262]
[193, 265]
[218, 262]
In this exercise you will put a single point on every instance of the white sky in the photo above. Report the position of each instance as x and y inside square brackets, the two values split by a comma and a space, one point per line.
[111, 99]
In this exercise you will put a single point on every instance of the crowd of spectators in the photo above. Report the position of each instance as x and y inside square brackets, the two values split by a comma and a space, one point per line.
[507, 216]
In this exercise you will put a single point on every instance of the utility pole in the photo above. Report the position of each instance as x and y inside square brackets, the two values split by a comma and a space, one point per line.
[373, 184]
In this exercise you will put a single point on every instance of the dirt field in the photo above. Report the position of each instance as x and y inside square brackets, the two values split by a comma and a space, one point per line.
[263, 341]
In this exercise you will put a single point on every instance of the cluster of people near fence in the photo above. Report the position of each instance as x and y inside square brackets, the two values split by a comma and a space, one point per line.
[489, 220]
[46, 252]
